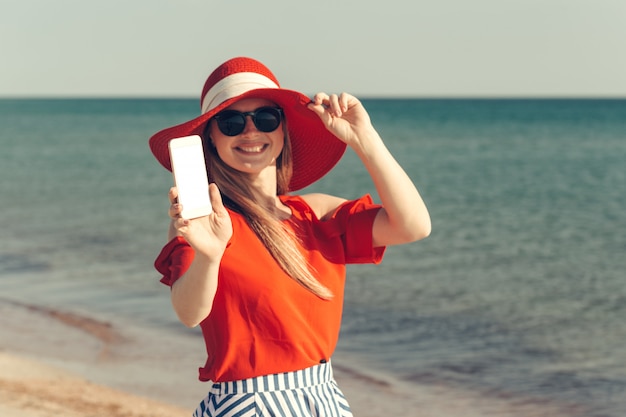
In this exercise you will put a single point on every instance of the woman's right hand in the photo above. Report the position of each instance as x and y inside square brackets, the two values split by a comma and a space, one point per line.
[193, 293]
[207, 235]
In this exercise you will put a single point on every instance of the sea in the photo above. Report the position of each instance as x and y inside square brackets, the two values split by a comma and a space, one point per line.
[519, 291]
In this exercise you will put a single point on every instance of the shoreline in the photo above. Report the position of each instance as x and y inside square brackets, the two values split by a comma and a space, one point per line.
[33, 389]
[56, 361]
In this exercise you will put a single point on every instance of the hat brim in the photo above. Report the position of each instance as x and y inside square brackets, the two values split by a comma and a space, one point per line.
[315, 151]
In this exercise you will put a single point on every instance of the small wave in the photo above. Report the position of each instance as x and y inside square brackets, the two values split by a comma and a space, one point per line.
[16, 263]
[101, 330]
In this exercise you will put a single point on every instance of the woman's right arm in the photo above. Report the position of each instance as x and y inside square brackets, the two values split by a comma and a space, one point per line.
[193, 293]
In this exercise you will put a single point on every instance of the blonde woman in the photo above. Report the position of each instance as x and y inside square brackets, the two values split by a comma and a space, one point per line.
[263, 275]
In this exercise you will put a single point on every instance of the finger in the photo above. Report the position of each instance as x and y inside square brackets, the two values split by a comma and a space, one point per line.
[175, 210]
[335, 108]
[318, 107]
[344, 101]
[216, 199]
[173, 195]
[181, 225]
[320, 98]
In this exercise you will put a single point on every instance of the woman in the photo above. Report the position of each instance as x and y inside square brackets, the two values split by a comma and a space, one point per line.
[263, 274]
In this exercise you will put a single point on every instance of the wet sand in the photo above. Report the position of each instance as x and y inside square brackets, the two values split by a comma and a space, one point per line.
[54, 362]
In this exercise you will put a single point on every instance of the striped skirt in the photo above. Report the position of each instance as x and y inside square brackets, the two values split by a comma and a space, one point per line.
[311, 392]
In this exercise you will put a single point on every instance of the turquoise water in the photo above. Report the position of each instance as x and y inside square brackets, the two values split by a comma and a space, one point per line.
[519, 291]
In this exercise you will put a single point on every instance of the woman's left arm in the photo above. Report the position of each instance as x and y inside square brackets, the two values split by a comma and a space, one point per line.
[404, 217]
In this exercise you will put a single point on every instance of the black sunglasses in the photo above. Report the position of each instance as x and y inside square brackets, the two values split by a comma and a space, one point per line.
[233, 122]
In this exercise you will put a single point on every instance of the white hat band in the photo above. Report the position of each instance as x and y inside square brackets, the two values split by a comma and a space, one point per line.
[233, 86]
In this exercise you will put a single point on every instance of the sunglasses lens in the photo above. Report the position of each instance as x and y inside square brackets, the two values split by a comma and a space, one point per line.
[267, 119]
[231, 123]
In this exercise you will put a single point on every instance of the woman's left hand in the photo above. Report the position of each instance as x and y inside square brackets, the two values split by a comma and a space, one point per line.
[344, 116]
[404, 216]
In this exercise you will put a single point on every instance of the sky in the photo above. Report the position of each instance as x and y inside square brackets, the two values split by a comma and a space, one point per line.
[388, 48]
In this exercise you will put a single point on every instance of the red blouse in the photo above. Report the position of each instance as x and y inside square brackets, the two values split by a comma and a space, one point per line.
[262, 321]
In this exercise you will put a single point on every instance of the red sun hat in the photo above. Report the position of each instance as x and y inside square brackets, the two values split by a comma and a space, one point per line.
[315, 150]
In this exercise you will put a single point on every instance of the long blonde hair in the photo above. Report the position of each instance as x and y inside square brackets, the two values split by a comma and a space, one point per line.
[238, 195]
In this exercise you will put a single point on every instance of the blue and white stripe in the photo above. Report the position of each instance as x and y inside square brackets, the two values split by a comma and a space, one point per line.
[311, 392]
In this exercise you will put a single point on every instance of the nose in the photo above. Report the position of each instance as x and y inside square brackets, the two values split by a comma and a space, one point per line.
[249, 126]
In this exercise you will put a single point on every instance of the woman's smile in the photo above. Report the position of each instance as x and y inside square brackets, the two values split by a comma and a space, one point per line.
[251, 149]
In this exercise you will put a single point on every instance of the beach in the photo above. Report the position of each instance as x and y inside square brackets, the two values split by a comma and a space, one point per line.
[59, 363]
[56, 363]
[514, 306]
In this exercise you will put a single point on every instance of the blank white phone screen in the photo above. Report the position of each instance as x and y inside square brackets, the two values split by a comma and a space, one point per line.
[191, 179]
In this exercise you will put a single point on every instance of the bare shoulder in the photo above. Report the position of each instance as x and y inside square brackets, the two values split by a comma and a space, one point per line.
[322, 204]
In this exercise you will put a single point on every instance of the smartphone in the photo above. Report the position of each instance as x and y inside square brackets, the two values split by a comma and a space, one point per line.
[190, 176]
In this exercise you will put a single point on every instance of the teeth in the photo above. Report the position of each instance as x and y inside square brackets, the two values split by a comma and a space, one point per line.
[252, 148]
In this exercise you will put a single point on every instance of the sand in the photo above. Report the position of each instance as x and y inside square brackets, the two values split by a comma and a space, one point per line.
[60, 363]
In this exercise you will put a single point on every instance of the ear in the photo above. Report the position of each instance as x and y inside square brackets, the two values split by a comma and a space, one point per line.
[207, 140]
[206, 135]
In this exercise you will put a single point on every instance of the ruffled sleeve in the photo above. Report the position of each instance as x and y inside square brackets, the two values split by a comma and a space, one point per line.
[174, 260]
[353, 222]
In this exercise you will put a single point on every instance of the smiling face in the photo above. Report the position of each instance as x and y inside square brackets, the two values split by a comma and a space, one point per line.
[252, 151]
